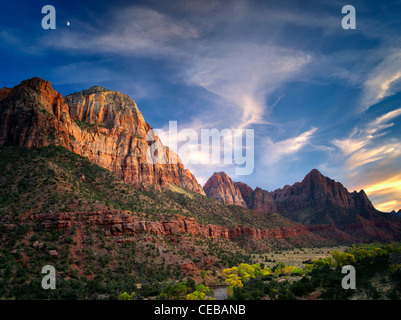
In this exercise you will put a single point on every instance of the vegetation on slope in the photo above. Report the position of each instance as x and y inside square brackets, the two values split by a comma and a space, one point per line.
[378, 276]
[89, 264]
[93, 265]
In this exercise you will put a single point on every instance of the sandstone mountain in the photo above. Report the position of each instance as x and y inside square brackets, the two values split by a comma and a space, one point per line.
[317, 191]
[107, 128]
[320, 203]
[104, 126]
[258, 199]
[220, 187]
[77, 193]
[58, 207]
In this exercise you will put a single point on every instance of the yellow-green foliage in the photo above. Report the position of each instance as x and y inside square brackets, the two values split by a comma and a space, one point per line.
[235, 276]
[196, 295]
[359, 252]
[233, 281]
[200, 292]
[308, 268]
[282, 269]
[356, 253]
[326, 261]
[126, 296]
[343, 258]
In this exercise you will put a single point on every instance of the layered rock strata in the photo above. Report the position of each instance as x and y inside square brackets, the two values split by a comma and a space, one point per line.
[102, 125]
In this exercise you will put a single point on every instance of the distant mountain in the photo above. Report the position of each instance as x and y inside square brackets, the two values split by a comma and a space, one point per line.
[317, 191]
[104, 126]
[397, 214]
[220, 187]
[78, 193]
[258, 199]
[107, 128]
[324, 205]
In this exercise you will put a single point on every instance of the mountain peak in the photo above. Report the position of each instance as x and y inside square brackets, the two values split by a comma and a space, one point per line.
[222, 188]
[315, 175]
[36, 85]
[221, 173]
[92, 90]
[362, 201]
[95, 89]
[315, 172]
[315, 191]
[106, 127]
[33, 81]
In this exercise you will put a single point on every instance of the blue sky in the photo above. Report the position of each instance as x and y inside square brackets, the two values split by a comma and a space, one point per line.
[316, 95]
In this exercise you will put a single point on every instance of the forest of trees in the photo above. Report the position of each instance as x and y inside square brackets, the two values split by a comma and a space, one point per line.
[378, 276]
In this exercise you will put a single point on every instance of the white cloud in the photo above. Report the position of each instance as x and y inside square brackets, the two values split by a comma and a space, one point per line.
[243, 74]
[277, 151]
[239, 72]
[361, 137]
[383, 81]
[369, 158]
[134, 30]
[365, 156]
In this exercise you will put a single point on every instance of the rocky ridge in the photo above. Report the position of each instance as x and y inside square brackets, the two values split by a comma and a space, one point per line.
[221, 187]
[315, 191]
[125, 222]
[325, 206]
[104, 126]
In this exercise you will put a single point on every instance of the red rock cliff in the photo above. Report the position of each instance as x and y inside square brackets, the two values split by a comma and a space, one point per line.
[220, 187]
[104, 126]
[124, 222]
[115, 137]
[318, 191]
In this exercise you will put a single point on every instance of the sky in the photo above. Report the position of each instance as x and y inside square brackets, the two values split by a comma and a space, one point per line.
[315, 95]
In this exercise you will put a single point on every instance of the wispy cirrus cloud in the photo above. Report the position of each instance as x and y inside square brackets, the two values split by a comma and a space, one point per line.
[243, 74]
[134, 30]
[234, 59]
[383, 81]
[277, 151]
[359, 148]
[369, 156]
[239, 72]
[387, 192]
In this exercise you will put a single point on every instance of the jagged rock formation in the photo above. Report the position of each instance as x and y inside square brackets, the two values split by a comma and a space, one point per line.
[121, 140]
[258, 199]
[317, 191]
[397, 214]
[104, 126]
[221, 187]
[124, 222]
[32, 114]
[107, 128]
[322, 204]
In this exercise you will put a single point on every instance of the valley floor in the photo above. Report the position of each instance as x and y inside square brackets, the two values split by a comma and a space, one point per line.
[295, 257]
